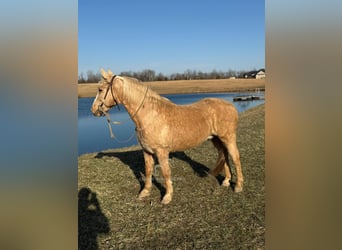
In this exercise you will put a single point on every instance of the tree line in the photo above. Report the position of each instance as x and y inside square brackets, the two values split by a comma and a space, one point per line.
[148, 75]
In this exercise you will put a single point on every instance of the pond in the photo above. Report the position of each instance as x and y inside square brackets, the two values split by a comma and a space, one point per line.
[94, 135]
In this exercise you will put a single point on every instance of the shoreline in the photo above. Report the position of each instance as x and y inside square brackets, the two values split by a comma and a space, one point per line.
[188, 86]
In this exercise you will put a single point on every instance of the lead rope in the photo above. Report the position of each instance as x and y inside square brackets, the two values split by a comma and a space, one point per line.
[110, 127]
[111, 131]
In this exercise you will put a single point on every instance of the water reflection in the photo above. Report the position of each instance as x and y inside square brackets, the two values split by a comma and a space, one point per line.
[93, 132]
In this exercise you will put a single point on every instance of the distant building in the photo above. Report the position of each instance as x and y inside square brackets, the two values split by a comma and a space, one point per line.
[260, 75]
[257, 74]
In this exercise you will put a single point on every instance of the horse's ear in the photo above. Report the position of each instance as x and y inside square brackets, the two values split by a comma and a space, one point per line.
[104, 73]
[110, 72]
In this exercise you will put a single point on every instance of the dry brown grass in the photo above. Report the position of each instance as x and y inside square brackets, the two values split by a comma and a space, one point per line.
[187, 86]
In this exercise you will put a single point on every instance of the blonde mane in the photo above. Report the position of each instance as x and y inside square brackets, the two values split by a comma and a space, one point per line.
[137, 90]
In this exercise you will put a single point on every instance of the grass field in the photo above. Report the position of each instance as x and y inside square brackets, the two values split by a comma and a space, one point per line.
[189, 86]
[202, 214]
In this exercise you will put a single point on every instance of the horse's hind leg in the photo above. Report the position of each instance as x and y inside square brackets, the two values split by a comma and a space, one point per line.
[163, 158]
[149, 163]
[230, 143]
[221, 162]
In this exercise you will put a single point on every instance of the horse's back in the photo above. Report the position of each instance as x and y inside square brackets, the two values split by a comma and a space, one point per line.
[217, 106]
[222, 114]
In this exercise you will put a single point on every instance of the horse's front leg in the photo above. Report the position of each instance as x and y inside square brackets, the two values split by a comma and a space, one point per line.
[163, 158]
[149, 163]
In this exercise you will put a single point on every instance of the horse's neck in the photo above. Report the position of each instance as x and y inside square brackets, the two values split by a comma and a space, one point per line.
[141, 103]
[132, 99]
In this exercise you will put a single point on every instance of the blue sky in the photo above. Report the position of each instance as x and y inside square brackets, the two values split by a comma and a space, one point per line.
[171, 36]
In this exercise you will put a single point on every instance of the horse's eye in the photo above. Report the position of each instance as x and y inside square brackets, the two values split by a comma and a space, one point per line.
[100, 89]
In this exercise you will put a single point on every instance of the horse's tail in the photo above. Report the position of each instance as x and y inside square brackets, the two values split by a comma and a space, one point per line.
[222, 154]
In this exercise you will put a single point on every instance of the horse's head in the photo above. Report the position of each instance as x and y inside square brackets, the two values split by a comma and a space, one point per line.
[106, 97]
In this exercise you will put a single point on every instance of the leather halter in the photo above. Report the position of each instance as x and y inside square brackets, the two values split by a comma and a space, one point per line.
[111, 90]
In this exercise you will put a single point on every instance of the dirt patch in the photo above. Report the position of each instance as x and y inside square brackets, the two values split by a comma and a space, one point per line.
[201, 215]
[189, 86]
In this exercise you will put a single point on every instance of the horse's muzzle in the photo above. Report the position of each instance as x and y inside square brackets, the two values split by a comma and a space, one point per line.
[98, 113]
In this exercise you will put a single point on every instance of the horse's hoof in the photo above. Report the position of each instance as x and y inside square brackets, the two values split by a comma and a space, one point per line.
[144, 193]
[166, 199]
[226, 183]
[238, 189]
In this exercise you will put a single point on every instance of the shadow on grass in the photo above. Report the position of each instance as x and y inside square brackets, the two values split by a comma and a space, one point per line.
[91, 220]
[135, 161]
[197, 167]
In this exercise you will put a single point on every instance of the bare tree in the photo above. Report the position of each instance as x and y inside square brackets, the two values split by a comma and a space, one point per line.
[81, 78]
[150, 75]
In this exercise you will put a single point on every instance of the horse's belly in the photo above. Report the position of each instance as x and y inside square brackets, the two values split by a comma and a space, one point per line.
[189, 139]
[172, 141]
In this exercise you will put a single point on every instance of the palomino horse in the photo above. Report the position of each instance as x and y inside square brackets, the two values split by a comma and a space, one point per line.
[163, 127]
